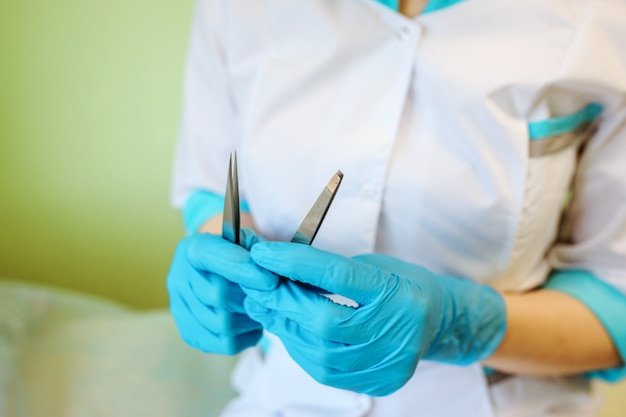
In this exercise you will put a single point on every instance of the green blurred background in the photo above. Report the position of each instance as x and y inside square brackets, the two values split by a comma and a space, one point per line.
[90, 98]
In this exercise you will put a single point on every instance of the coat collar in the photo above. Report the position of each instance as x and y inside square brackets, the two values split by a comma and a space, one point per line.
[432, 6]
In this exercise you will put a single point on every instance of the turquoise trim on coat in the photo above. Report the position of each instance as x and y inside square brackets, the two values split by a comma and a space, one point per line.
[393, 4]
[434, 5]
[201, 205]
[264, 343]
[607, 303]
[565, 124]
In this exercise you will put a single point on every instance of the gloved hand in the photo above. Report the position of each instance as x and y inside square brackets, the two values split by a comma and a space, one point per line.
[405, 313]
[206, 299]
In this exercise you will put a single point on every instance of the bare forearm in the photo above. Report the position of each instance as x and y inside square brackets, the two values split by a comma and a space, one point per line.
[214, 224]
[550, 333]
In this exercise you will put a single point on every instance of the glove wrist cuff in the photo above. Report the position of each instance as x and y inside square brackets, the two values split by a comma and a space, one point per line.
[473, 324]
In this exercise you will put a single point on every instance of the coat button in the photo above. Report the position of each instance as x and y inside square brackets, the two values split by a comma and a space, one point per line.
[370, 191]
[403, 33]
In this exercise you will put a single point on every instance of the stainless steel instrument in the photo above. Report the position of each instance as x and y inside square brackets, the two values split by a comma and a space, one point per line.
[305, 234]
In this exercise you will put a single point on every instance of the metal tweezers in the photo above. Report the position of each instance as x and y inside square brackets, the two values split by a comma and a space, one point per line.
[231, 224]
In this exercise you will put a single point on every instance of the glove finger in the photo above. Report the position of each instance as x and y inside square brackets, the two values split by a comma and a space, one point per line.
[213, 254]
[344, 357]
[331, 272]
[373, 381]
[215, 291]
[279, 325]
[243, 341]
[210, 289]
[249, 238]
[397, 266]
[314, 312]
[191, 331]
[217, 321]
[198, 337]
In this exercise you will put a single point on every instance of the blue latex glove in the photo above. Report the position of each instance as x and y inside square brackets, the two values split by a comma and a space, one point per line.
[206, 300]
[405, 313]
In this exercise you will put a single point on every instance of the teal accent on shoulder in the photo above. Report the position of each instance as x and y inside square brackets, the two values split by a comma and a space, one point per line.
[393, 4]
[434, 5]
[264, 344]
[607, 303]
[488, 371]
[565, 124]
[201, 205]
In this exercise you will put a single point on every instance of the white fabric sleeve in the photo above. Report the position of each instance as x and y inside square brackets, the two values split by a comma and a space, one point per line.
[597, 215]
[597, 242]
[207, 131]
[591, 264]
[606, 303]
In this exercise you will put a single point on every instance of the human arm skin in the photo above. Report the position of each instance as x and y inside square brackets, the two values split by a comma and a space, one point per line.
[412, 8]
[214, 224]
[550, 333]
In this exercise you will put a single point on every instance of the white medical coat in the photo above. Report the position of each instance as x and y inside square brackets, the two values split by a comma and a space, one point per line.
[428, 118]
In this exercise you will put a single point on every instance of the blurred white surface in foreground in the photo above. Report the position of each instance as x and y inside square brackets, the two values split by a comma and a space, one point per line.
[65, 354]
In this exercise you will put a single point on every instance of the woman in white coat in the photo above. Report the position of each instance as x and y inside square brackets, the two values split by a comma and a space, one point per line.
[480, 226]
